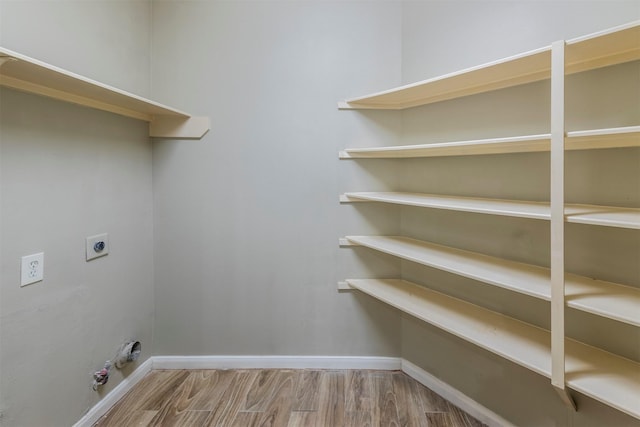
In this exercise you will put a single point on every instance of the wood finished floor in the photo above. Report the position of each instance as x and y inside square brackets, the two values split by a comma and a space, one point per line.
[283, 397]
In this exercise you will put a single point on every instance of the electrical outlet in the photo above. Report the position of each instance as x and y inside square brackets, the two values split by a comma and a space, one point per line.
[97, 246]
[32, 269]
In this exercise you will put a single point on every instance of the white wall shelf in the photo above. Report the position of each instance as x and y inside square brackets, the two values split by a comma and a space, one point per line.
[602, 49]
[512, 71]
[26, 74]
[607, 299]
[575, 213]
[577, 140]
[603, 376]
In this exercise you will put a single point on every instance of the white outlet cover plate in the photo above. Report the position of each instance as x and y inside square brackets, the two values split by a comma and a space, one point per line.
[91, 242]
[32, 269]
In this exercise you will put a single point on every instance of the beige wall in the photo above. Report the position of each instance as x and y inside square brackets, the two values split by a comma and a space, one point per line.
[229, 245]
[68, 172]
[247, 220]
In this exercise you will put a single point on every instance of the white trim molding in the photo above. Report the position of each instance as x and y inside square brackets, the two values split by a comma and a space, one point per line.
[102, 407]
[454, 396]
[277, 362]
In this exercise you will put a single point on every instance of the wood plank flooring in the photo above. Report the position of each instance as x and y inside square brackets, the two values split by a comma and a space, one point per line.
[283, 398]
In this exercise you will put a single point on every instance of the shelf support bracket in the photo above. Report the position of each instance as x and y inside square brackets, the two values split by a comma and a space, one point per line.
[557, 223]
[5, 59]
[344, 286]
[566, 398]
[345, 198]
[179, 127]
[345, 242]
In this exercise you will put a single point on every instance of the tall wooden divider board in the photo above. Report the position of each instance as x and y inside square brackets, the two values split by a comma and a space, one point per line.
[557, 223]
[569, 364]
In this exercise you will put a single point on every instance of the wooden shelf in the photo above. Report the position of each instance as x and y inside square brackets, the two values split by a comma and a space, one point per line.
[576, 140]
[613, 46]
[26, 74]
[512, 71]
[603, 138]
[518, 144]
[583, 214]
[606, 377]
[610, 47]
[608, 216]
[603, 376]
[611, 300]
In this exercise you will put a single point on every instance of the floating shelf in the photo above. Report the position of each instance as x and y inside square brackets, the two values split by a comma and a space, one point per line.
[26, 74]
[582, 214]
[603, 376]
[611, 300]
[577, 140]
[610, 47]
[512, 71]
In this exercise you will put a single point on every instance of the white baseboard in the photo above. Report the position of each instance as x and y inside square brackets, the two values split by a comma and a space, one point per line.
[462, 401]
[277, 362]
[454, 396]
[101, 408]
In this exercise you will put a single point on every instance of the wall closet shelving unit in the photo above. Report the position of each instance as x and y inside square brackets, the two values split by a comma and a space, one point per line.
[30, 75]
[604, 376]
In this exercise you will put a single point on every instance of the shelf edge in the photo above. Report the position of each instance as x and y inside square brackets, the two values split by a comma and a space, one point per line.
[574, 213]
[59, 95]
[359, 102]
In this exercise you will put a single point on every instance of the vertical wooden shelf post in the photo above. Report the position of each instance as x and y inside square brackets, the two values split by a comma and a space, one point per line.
[557, 223]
